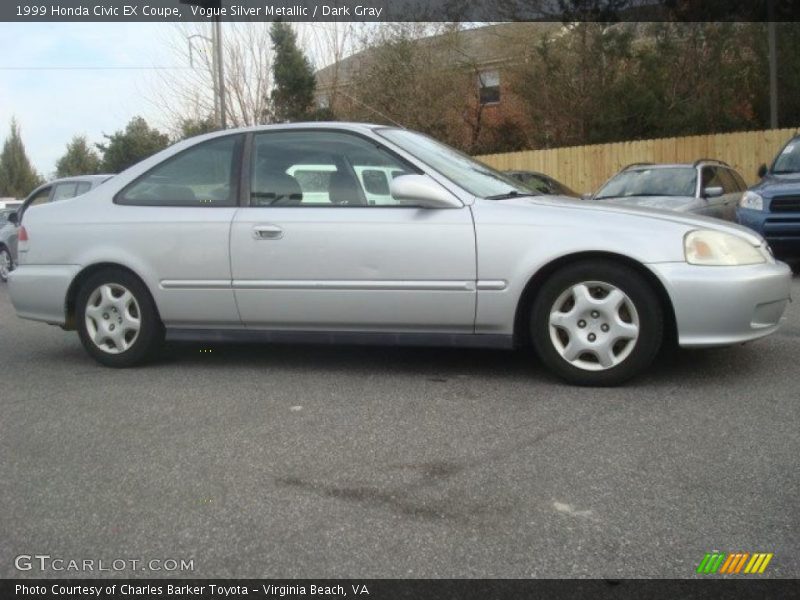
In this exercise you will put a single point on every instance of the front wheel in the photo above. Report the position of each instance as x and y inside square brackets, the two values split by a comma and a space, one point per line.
[597, 323]
[117, 320]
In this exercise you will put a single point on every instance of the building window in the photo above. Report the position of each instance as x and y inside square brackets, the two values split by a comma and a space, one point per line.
[489, 86]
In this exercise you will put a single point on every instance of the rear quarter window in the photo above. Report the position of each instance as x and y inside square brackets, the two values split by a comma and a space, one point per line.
[65, 190]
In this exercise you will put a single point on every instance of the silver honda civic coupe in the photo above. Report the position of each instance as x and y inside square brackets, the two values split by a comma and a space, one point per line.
[356, 233]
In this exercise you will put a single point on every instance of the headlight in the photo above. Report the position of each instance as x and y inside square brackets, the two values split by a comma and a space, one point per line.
[752, 201]
[714, 248]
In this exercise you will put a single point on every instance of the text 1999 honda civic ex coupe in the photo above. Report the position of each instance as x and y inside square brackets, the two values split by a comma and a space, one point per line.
[359, 233]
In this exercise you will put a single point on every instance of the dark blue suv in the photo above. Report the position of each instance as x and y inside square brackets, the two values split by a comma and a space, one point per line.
[772, 206]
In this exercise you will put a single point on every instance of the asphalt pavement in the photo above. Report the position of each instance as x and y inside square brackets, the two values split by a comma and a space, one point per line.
[304, 461]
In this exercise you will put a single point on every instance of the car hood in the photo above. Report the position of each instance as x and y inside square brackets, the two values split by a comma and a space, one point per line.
[665, 202]
[776, 185]
[685, 219]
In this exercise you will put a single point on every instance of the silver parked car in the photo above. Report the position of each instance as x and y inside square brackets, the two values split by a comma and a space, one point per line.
[59, 189]
[214, 240]
[706, 187]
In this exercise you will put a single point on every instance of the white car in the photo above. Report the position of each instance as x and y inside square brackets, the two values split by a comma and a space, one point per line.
[52, 191]
[216, 239]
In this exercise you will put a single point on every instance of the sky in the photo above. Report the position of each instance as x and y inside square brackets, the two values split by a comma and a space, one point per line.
[66, 79]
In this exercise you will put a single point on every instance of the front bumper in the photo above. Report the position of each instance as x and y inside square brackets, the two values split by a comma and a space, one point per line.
[720, 306]
[39, 292]
[780, 229]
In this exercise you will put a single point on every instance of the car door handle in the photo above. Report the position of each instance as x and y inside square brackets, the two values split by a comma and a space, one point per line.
[267, 232]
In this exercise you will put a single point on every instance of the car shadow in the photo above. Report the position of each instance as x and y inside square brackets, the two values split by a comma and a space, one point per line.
[357, 359]
[439, 364]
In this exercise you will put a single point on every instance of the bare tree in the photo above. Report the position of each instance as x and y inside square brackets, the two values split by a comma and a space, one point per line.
[430, 77]
[190, 94]
[328, 44]
[406, 77]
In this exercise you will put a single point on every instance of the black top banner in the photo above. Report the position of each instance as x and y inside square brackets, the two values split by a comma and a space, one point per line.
[398, 10]
[397, 589]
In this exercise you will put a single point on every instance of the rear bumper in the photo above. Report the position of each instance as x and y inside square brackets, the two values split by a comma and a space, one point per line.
[39, 292]
[720, 306]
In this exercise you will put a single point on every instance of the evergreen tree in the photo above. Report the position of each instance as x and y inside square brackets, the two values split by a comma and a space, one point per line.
[294, 82]
[17, 176]
[126, 148]
[190, 127]
[79, 159]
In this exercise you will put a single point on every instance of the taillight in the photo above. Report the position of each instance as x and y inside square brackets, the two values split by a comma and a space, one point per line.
[23, 235]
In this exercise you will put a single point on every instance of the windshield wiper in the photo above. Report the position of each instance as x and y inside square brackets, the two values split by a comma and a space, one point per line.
[510, 194]
[632, 196]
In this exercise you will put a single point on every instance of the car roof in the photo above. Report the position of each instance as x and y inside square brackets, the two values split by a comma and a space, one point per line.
[643, 167]
[340, 125]
[348, 125]
[692, 165]
[100, 178]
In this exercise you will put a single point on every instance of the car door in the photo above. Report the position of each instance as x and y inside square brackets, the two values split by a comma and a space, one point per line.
[175, 220]
[316, 253]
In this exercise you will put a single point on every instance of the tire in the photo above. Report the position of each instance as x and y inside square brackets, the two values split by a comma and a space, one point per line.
[116, 309]
[6, 264]
[596, 323]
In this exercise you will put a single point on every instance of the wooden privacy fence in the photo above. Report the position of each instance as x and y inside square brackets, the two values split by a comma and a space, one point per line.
[585, 168]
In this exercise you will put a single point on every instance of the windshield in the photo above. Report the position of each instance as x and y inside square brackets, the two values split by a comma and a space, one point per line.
[788, 160]
[475, 177]
[669, 181]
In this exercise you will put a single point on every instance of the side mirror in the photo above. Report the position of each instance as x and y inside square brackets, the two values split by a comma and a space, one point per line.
[714, 191]
[13, 218]
[422, 191]
[762, 171]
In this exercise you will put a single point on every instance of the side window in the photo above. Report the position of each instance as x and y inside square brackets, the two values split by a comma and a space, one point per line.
[40, 198]
[64, 190]
[322, 168]
[203, 175]
[83, 187]
[314, 181]
[710, 178]
[740, 183]
[375, 182]
[729, 185]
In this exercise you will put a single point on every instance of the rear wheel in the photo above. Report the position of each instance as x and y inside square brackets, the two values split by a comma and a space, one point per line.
[597, 323]
[6, 264]
[117, 320]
